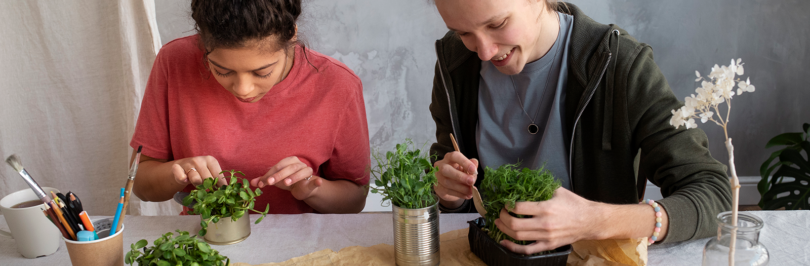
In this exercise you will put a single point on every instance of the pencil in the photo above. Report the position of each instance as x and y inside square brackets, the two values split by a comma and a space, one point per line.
[74, 225]
[114, 227]
[52, 218]
[61, 217]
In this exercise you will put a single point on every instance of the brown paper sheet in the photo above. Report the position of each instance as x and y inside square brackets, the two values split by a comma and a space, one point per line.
[631, 252]
[455, 250]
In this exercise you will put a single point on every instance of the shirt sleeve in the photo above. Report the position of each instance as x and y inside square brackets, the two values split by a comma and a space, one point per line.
[152, 127]
[694, 185]
[350, 159]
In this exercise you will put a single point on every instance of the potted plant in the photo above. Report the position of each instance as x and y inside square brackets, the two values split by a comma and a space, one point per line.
[502, 188]
[169, 250]
[215, 203]
[406, 178]
[792, 175]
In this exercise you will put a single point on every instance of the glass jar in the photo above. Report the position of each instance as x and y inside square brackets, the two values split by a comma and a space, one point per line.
[748, 250]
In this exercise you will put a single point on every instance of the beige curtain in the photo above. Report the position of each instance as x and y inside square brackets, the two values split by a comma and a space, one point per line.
[72, 76]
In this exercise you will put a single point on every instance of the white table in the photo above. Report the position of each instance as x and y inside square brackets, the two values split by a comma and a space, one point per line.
[281, 237]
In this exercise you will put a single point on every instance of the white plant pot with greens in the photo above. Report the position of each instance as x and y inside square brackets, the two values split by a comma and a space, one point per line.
[406, 178]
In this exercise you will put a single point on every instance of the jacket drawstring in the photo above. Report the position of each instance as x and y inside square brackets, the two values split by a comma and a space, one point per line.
[607, 127]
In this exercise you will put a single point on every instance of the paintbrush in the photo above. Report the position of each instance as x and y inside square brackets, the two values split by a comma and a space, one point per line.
[16, 163]
[128, 188]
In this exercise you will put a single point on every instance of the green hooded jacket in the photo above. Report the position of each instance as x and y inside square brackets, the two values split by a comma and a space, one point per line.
[617, 103]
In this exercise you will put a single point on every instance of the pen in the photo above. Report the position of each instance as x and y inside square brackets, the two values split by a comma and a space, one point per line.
[66, 212]
[88, 225]
[75, 202]
[114, 227]
[130, 181]
[74, 207]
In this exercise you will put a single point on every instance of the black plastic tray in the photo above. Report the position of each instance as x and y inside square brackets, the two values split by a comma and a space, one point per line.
[493, 254]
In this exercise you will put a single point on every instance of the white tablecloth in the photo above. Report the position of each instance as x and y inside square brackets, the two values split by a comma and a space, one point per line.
[281, 237]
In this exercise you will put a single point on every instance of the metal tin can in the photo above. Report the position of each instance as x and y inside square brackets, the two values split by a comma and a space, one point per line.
[416, 236]
[227, 231]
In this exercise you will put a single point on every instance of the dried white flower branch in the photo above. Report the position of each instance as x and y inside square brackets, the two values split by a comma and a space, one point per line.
[714, 90]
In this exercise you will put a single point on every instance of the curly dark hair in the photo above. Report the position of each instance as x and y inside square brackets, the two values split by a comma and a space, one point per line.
[235, 23]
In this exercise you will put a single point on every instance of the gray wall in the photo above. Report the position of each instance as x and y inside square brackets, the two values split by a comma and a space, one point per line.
[389, 44]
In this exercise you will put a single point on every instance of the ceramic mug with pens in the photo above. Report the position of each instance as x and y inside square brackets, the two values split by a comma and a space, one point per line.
[34, 235]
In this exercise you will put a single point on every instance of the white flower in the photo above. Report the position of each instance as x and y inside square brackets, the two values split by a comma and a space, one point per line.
[716, 72]
[715, 89]
[733, 69]
[727, 90]
[691, 123]
[691, 102]
[717, 98]
[706, 116]
[745, 86]
[704, 95]
[676, 120]
[687, 112]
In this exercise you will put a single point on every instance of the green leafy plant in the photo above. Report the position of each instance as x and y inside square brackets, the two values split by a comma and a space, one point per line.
[778, 192]
[169, 251]
[232, 200]
[505, 186]
[406, 177]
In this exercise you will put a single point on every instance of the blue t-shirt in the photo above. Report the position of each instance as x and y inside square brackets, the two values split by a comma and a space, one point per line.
[502, 133]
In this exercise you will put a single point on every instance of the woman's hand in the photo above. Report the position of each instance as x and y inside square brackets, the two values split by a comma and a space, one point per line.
[564, 219]
[194, 170]
[456, 177]
[292, 175]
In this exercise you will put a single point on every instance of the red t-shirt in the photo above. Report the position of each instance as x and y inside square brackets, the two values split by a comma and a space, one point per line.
[317, 115]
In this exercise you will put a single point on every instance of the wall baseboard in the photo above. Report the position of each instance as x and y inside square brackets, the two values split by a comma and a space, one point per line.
[748, 191]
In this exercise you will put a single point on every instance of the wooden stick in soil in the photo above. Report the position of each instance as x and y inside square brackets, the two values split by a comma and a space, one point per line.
[735, 194]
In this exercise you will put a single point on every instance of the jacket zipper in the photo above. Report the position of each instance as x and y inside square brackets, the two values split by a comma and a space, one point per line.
[446, 92]
[579, 114]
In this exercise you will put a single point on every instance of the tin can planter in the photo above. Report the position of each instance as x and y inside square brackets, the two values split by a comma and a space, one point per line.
[493, 253]
[227, 231]
[416, 236]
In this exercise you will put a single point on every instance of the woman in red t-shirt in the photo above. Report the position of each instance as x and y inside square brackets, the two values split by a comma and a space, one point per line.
[244, 94]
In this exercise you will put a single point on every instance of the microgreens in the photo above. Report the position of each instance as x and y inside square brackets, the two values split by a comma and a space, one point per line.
[505, 186]
[181, 250]
[231, 200]
[406, 177]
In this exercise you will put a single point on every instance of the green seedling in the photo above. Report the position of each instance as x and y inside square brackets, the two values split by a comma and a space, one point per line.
[505, 186]
[169, 251]
[405, 177]
[232, 200]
